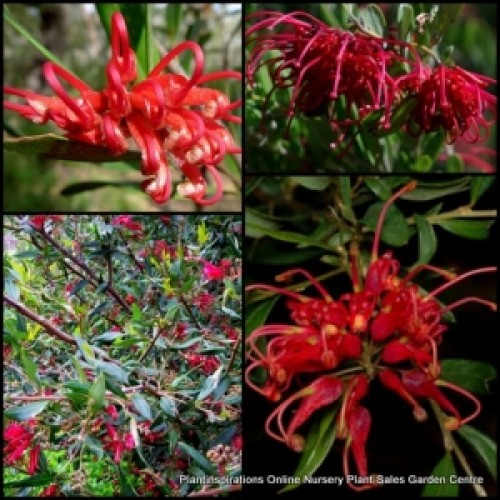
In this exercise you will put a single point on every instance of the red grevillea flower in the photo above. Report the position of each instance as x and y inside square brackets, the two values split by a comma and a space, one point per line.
[211, 272]
[38, 221]
[386, 327]
[322, 64]
[127, 222]
[171, 118]
[117, 444]
[455, 100]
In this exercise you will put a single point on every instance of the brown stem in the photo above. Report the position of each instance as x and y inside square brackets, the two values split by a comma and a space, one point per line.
[49, 327]
[188, 309]
[132, 256]
[233, 354]
[79, 263]
[151, 345]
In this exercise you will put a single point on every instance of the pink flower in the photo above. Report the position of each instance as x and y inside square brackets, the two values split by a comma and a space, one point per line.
[127, 222]
[212, 272]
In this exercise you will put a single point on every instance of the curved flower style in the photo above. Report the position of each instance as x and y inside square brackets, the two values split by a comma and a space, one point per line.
[324, 64]
[170, 117]
[386, 327]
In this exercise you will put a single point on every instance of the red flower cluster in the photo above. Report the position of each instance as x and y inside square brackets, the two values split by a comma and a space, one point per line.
[38, 221]
[127, 222]
[387, 327]
[204, 301]
[322, 64]
[207, 364]
[167, 115]
[18, 438]
[117, 444]
[212, 272]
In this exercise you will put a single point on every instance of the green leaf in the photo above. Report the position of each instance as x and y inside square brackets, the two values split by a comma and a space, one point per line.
[478, 186]
[373, 19]
[94, 446]
[395, 231]
[136, 312]
[25, 412]
[423, 164]
[142, 406]
[256, 224]
[174, 18]
[96, 394]
[483, 446]
[11, 290]
[427, 240]
[454, 164]
[379, 187]
[37, 480]
[471, 375]
[256, 314]
[426, 191]
[472, 229]
[60, 148]
[314, 183]
[169, 406]
[113, 370]
[445, 468]
[30, 367]
[200, 460]
[406, 20]
[398, 118]
[318, 444]
[345, 190]
[211, 383]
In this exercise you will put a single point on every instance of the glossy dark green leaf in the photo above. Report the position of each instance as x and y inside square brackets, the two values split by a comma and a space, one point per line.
[379, 187]
[427, 240]
[142, 406]
[395, 231]
[426, 191]
[472, 229]
[471, 375]
[318, 443]
[483, 446]
[25, 412]
[433, 144]
[256, 314]
[95, 446]
[445, 468]
[198, 458]
[478, 186]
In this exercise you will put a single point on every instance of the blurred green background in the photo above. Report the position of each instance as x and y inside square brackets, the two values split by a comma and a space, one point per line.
[73, 32]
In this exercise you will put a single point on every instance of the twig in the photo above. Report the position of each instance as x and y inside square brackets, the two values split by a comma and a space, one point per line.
[188, 309]
[233, 354]
[79, 263]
